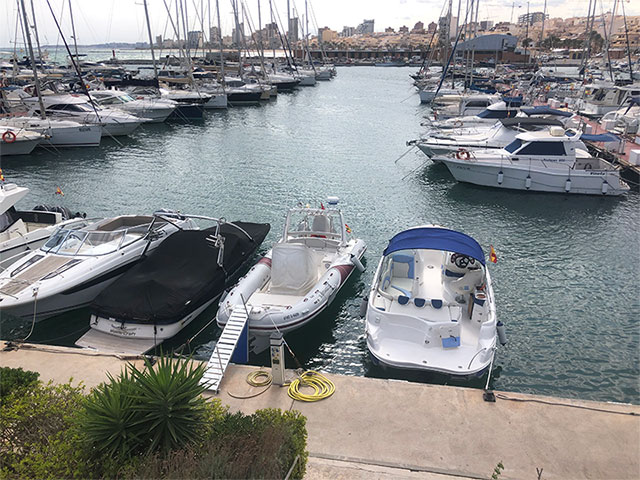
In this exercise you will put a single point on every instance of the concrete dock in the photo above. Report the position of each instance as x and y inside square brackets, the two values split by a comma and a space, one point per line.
[387, 429]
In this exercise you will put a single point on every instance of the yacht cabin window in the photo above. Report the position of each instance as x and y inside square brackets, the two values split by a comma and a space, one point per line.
[543, 148]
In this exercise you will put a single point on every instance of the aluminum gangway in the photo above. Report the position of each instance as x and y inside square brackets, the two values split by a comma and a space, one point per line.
[235, 332]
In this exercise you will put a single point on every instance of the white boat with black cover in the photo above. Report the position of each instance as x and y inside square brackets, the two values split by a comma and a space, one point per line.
[160, 296]
[299, 277]
[543, 161]
[22, 231]
[74, 265]
[431, 306]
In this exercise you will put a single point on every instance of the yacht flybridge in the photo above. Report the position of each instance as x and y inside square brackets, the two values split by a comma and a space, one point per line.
[545, 161]
[431, 305]
[299, 277]
[76, 264]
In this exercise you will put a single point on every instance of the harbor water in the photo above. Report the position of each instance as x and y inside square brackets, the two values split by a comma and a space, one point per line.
[567, 276]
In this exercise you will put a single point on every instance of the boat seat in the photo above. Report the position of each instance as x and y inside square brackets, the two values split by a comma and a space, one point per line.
[466, 283]
[321, 224]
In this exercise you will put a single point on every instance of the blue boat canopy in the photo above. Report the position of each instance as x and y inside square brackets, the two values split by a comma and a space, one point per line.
[544, 110]
[593, 137]
[432, 238]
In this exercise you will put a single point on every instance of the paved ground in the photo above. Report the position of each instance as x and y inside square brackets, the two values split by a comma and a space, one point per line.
[373, 428]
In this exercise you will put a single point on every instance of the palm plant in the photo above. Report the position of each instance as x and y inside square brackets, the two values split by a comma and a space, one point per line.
[157, 408]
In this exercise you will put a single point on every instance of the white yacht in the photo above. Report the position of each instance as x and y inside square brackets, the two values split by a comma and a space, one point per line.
[77, 108]
[17, 141]
[22, 231]
[544, 161]
[75, 265]
[299, 277]
[58, 133]
[156, 110]
[601, 99]
[447, 106]
[431, 305]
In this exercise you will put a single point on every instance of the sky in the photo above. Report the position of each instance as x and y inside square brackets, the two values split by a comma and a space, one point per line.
[102, 21]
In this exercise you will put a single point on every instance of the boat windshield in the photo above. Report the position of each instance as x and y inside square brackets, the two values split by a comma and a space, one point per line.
[91, 243]
[513, 146]
[315, 223]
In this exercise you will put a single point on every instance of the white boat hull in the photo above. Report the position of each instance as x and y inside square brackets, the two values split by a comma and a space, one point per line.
[19, 147]
[586, 182]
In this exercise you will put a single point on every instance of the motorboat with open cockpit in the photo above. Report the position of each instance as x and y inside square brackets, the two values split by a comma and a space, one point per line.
[74, 265]
[157, 298]
[431, 305]
[299, 277]
[544, 161]
[22, 231]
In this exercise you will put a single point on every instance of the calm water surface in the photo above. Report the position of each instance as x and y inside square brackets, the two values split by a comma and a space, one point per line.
[567, 277]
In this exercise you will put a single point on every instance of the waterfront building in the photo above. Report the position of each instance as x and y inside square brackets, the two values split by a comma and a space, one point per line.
[531, 18]
[365, 27]
[327, 35]
[403, 29]
[194, 39]
[348, 32]
[433, 26]
[418, 28]
[293, 33]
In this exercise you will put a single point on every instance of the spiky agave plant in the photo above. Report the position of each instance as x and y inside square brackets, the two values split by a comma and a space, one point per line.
[168, 405]
[109, 416]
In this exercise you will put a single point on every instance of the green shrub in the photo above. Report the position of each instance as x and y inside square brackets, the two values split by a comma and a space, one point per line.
[262, 445]
[39, 434]
[158, 408]
[12, 379]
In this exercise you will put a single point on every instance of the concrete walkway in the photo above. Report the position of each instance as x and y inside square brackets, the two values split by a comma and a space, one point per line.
[386, 429]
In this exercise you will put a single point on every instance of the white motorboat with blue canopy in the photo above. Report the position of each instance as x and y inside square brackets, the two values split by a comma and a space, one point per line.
[431, 306]
[543, 161]
[299, 277]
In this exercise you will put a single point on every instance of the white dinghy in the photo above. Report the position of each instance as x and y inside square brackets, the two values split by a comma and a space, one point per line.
[431, 306]
[299, 277]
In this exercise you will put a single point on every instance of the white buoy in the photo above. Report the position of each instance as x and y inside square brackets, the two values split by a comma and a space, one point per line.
[567, 185]
[500, 177]
[363, 306]
[502, 333]
[333, 200]
[356, 261]
[527, 182]
[605, 187]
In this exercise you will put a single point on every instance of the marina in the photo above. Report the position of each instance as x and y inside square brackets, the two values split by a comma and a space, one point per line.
[447, 251]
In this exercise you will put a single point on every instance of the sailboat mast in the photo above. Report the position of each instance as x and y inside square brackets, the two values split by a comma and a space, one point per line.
[221, 46]
[73, 30]
[153, 55]
[35, 31]
[32, 59]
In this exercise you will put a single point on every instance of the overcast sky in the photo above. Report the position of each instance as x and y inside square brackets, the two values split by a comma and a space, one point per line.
[102, 21]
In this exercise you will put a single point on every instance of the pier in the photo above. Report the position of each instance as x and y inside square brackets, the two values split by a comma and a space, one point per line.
[375, 428]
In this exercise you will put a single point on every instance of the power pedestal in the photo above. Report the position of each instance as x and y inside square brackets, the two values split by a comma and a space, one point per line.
[277, 358]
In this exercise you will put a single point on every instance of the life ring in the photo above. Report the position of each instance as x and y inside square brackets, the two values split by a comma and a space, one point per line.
[458, 123]
[463, 154]
[8, 137]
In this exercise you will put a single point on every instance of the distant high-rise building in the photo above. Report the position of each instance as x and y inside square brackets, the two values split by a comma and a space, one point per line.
[418, 28]
[365, 27]
[348, 32]
[403, 29]
[214, 35]
[433, 26]
[292, 34]
[389, 30]
[531, 18]
[327, 35]
[194, 39]
[445, 30]
[159, 41]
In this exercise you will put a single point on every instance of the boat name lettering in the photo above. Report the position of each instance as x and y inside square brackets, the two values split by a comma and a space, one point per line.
[123, 332]
[596, 173]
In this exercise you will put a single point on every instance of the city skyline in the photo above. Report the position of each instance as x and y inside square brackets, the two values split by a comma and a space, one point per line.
[105, 22]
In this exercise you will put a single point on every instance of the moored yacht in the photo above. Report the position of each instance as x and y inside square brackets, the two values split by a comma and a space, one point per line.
[431, 306]
[155, 110]
[299, 277]
[544, 161]
[17, 141]
[58, 133]
[74, 265]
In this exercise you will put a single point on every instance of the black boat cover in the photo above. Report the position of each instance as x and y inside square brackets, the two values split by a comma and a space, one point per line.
[531, 121]
[178, 276]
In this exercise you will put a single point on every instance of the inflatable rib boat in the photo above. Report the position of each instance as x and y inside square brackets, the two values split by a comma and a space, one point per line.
[299, 277]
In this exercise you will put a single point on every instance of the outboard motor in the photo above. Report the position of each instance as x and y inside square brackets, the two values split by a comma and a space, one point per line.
[66, 213]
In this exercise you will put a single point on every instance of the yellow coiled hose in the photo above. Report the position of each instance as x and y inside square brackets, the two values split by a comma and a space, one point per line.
[322, 386]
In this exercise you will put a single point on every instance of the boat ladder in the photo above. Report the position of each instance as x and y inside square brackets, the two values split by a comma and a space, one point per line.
[234, 330]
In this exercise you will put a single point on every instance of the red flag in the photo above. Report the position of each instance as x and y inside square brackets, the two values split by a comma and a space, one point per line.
[321, 206]
[492, 255]
[59, 191]
[347, 228]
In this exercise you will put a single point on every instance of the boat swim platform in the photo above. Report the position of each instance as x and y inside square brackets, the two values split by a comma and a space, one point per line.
[389, 429]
